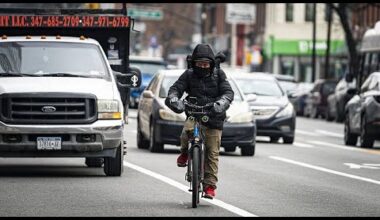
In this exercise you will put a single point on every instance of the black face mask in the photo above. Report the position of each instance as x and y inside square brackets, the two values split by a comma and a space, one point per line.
[201, 72]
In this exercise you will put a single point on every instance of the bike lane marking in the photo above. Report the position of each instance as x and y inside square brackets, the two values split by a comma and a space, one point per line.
[308, 133]
[184, 188]
[303, 145]
[329, 133]
[325, 170]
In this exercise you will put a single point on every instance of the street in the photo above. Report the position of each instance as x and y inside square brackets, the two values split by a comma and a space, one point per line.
[316, 176]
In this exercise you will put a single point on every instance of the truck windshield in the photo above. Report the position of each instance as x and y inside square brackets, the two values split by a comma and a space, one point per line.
[52, 59]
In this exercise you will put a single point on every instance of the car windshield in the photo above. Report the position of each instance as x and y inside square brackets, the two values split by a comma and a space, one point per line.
[52, 59]
[148, 68]
[261, 87]
[288, 86]
[168, 81]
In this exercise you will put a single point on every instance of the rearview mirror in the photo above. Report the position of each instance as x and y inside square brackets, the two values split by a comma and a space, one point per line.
[130, 79]
[251, 97]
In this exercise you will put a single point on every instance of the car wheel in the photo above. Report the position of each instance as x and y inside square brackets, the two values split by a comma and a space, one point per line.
[94, 162]
[142, 143]
[248, 150]
[153, 145]
[274, 139]
[339, 114]
[288, 140]
[230, 149]
[366, 141]
[328, 116]
[350, 139]
[113, 166]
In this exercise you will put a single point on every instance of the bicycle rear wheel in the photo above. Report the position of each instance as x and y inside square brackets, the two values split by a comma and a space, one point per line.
[195, 176]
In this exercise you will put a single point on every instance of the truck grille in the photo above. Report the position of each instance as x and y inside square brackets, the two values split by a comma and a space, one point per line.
[48, 108]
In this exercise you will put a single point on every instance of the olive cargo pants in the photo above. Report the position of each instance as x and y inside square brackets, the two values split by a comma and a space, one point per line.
[212, 145]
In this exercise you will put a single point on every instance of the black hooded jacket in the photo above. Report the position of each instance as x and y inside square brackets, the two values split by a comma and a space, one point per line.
[206, 89]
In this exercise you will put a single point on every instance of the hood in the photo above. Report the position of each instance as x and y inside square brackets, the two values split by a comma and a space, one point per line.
[101, 88]
[203, 51]
[279, 101]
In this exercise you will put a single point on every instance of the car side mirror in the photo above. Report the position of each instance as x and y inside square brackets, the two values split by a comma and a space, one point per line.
[251, 97]
[349, 77]
[148, 94]
[130, 79]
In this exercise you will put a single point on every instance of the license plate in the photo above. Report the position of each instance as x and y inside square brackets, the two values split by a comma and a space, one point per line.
[49, 143]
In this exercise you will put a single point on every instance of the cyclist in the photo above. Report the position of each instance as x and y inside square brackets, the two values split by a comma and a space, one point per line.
[208, 84]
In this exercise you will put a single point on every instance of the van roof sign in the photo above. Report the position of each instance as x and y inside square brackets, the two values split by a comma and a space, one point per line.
[64, 21]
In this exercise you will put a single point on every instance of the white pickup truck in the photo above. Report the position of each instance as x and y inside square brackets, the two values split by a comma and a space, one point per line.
[59, 98]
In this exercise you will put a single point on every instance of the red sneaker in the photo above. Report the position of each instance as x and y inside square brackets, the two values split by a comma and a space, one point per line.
[182, 160]
[209, 192]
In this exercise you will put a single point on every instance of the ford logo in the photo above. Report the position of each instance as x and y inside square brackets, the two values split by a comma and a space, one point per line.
[48, 109]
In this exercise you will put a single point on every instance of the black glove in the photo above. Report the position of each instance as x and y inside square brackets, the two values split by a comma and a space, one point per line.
[221, 105]
[176, 105]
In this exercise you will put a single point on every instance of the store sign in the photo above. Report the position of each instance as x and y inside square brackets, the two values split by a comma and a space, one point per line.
[241, 13]
[307, 46]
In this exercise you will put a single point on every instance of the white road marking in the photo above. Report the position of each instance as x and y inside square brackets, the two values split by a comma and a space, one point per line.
[184, 188]
[299, 144]
[325, 170]
[335, 145]
[329, 133]
[358, 166]
[308, 133]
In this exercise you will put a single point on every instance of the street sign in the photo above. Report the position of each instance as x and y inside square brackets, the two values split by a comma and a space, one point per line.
[146, 14]
[238, 13]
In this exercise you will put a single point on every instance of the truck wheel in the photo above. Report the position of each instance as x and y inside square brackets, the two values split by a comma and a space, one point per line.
[248, 150]
[142, 143]
[366, 141]
[94, 162]
[153, 145]
[113, 166]
[350, 139]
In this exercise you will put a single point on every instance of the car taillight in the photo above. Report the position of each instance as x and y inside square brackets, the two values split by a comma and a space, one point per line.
[377, 98]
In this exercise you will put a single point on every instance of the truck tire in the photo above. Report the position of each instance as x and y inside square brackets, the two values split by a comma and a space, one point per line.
[113, 166]
[94, 161]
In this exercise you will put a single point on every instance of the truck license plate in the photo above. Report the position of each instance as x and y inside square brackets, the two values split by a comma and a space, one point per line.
[49, 143]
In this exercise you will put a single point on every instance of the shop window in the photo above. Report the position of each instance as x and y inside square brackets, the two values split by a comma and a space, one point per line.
[289, 12]
[309, 11]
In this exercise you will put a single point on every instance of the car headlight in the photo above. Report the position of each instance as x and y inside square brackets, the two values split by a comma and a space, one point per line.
[287, 111]
[108, 109]
[170, 116]
[241, 118]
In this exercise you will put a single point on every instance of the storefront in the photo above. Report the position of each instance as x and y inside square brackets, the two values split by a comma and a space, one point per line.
[294, 57]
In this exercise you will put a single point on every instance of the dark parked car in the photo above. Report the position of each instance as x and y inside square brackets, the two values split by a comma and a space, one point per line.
[363, 114]
[275, 115]
[316, 100]
[157, 125]
[298, 96]
[148, 67]
[336, 102]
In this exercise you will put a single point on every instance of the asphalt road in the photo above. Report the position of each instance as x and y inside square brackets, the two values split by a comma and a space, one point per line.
[316, 176]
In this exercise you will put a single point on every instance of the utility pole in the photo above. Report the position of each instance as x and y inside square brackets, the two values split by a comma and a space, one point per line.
[314, 39]
[327, 61]
[203, 22]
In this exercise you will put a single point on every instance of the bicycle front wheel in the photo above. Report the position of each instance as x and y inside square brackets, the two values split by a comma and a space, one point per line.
[195, 176]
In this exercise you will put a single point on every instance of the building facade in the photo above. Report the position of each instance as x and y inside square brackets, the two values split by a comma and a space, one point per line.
[289, 41]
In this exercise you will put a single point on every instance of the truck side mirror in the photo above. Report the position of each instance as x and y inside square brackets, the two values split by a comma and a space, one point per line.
[130, 79]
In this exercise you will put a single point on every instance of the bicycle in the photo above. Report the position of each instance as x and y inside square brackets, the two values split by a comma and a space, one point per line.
[195, 167]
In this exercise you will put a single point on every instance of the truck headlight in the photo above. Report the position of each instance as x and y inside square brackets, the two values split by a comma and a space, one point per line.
[170, 116]
[108, 109]
[287, 111]
[241, 118]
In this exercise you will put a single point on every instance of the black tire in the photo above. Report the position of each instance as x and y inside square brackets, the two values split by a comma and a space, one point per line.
[328, 116]
[230, 149]
[142, 143]
[153, 145]
[288, 140]
[113, 166]
[195, 176]
[274, 139]
[248, 150]
[339, 117]
[94, 161]
[350, 139]
[366, 141]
